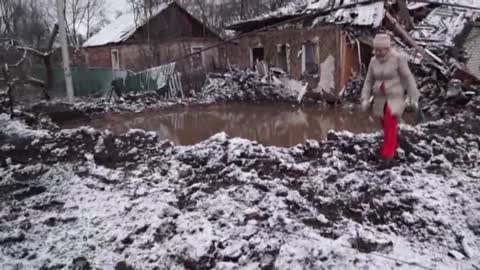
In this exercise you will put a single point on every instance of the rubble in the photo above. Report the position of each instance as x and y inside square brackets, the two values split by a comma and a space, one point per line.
[352, 91]
[249, 86]
[59, 111]
[438, 30]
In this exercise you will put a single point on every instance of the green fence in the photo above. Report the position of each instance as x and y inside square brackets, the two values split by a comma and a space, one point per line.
[97, 82]
[86, 81]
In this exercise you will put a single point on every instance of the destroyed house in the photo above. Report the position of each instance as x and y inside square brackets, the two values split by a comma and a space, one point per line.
[164, 33]
[327, 42]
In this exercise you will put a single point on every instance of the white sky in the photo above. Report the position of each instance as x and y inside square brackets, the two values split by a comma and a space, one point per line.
[116, 5]
[111, 8]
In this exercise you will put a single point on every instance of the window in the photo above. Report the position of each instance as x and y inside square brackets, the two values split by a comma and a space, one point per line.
[197, 58]
[115, 59]
[309, 66]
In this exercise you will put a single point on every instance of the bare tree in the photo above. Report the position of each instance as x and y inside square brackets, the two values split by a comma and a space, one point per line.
[25, 51]
[95, 15]
[83, 18]
[83, 15]
[23, 20]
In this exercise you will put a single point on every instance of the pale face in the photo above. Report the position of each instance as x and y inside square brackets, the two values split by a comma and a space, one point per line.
[381, 52]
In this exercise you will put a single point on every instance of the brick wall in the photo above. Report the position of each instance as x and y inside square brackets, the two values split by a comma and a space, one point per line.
[326, 40]
[99, 57]
[472, 47]
[138, 57]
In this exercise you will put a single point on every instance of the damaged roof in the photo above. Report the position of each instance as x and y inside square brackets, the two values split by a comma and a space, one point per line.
[442, 26]
[353, 12]
[360, 15]
[291, 10]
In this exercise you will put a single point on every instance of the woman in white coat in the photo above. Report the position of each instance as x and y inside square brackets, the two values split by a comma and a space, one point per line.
[387, 78]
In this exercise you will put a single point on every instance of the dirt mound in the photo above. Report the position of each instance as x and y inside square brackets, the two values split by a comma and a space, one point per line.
[90, 198]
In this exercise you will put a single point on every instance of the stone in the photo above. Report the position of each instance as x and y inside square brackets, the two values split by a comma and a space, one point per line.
[123, 266]
[456, 255]
[81, 263]
[473, 223]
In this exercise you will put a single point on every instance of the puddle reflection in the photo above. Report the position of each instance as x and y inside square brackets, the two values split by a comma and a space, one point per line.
[279, 125]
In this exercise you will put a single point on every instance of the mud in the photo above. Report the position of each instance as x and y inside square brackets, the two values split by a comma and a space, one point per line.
[327, 187]
[95, 199]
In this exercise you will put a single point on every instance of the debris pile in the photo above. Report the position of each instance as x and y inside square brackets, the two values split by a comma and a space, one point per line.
[84, 197]
[439, 104]
[353, 89]
[439, 29]
[59, 111]
[247, 86]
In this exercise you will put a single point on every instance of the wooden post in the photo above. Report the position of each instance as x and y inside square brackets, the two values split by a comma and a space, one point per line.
[65, 56]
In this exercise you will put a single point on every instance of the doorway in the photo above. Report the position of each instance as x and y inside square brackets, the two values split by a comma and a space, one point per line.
[257, 54]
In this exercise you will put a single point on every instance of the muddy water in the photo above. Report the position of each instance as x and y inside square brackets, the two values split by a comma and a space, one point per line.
[279, 125]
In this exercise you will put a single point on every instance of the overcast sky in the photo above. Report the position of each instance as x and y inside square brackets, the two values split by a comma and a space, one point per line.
[116, 5]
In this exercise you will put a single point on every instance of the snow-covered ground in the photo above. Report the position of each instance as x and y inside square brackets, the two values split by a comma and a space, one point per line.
[98, 201]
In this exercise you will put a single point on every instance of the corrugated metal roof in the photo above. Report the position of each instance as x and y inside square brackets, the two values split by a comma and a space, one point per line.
[122, 28]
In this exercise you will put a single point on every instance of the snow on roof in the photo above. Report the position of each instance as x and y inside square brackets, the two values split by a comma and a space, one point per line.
[365, 13]
[362, 15]
[469, 3]
[291, 9]
[317, 4]
[122, 28]
[356, 12]
[416, 5]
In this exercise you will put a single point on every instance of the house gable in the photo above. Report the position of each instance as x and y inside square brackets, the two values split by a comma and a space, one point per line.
[169, 21]
[173, 23]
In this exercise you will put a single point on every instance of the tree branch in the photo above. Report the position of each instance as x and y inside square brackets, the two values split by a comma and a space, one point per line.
[36, 82]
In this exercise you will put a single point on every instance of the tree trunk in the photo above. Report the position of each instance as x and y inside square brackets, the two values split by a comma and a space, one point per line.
[9, 82]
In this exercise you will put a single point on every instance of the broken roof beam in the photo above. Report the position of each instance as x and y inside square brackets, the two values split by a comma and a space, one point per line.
[404, 34]
[405, 14]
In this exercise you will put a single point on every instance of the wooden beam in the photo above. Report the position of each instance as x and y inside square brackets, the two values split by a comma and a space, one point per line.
[405, 18]
[444, 4]
[404, 34]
